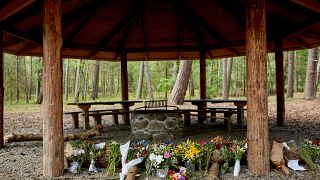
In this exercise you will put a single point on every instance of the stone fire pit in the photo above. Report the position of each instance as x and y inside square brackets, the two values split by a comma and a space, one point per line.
[156, 125]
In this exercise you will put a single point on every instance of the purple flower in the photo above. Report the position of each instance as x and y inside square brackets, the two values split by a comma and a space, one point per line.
[167, 155]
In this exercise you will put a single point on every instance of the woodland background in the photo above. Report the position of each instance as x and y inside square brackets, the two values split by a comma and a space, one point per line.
[85, 80]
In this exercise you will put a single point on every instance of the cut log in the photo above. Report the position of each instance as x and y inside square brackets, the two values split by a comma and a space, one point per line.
[214, 171]
[96, 131]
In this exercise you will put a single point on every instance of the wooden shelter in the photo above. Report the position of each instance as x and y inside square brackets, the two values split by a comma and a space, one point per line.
[125, 30]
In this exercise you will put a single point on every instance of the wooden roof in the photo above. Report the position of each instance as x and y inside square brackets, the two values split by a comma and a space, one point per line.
[157, 29]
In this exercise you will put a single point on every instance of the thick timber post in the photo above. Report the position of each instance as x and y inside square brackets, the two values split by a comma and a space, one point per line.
[257, 117]
[1, 88]
[53, 154]
[203, 86]
[203, 80]
[279, 82]
[124, 86]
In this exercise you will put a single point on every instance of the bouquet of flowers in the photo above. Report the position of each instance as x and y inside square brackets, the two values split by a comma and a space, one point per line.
[181, 174]
[160, 157]
[136, 151]
[79, 154]
[238, 148]
[189, 151]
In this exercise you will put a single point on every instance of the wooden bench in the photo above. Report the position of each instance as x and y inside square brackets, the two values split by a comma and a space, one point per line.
[97, 115]
[213, 111]
[237, 110]
[94, 113]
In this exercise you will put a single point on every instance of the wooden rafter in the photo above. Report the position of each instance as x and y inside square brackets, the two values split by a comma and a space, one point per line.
[125, 38]
[26, 48]
[233, 11]
[180, 32]
[126, 21]
[310, 4]
[12, 7]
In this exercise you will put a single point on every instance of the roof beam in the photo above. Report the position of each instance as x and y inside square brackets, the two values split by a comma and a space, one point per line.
[233, 10]
[125, 22]
[310, 4]
[190, 14]
[12, 7]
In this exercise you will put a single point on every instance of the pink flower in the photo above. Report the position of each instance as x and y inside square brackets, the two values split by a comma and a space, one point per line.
[167, 155]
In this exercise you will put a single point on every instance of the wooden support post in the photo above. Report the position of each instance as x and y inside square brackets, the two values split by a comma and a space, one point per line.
[1, 88]
[203, 87]
[115, 118]
[124, 87]
[279, 82]
[75, 120]
[53, 140]
[186, 118]
[257, 125]
[203, 84]
[85, 115]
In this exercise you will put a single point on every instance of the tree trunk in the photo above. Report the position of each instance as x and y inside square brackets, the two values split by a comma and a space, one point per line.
[17, 79]
[227, 68]
[148, 79]
[95, 82]
[311, 74]
[211, 73]
[86, 82]
[279, 82]
[112, 85]
[295, 75]
[191, 85]
[257, 113]
[140, 81]
[31, 77]
[318, 76]
[26, 80]
[180, 87]
[290, 74]
[39, 96]
[1, 87]
[78, 80]
[66, 82]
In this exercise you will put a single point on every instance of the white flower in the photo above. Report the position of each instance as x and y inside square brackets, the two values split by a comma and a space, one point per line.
[159, 159]
[152, 157]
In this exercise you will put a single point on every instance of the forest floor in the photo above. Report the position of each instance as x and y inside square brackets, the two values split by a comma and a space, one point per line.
[23, 160]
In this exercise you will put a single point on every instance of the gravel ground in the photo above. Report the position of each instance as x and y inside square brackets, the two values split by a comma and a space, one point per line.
[23, 160]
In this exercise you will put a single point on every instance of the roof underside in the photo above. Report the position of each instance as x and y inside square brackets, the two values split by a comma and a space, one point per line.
[156, 29]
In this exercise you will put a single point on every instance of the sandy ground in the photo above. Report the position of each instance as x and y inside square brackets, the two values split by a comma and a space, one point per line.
[23, 160]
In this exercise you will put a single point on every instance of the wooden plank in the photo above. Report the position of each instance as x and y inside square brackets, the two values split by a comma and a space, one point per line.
[13, 7]
[124, 86]
[257, 118]
[279, 82]
[203, 84]
[53, 140]
[1, 88]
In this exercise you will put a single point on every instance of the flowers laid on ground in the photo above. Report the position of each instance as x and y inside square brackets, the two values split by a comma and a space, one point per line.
[177, 161]
[160, 157]
[181, 174]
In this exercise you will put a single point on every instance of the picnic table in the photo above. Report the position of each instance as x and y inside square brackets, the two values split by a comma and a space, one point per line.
[202, 105]
[85, 106]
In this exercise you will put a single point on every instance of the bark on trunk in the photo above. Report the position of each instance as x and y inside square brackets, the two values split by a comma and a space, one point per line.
[53, 144]
[66, 82]
[26, 80]
[318, 76]
[309, 90]
[257, 115]
[290, 75]
[227, 70]
[95, 82]
[148, 79]
[17, 79]
[39, 96]
[191, 85]
[140, 81]
[180, 87]
[31, 77]
[78, 80]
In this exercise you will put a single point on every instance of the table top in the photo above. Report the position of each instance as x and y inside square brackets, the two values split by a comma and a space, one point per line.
[105, 102]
